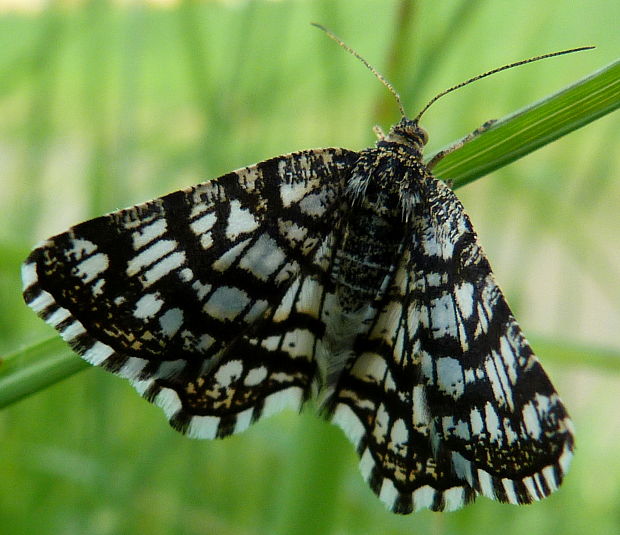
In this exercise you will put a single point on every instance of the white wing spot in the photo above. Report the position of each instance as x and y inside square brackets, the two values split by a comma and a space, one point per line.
[271, 343]
[442, 317]
[388, 492]
[511, 436]
[435, 279]
[290, 398]
[509, 487]
[475, 419]
[169, 402]
[228, 373]
[314, 204]
[292, 193]
[492, 423]
[150, 255]
[500, 367]
[424, 497]
[543, 404]
[263, 258]
[347, 420]
[530, 419]
[186, 275]
[240, 221]
[258, 309]
[293, 232]
[203, 224]
[201, 289]
[461, 430]
[203, 427]
[148, 233]
[454, 498]
[29, 275]
[206, 240]
[229, 257]
[163, 268]
[486, 484]
[97, 288]
[370, 366]
[464, 294]
[79, 249]
[298, 343]
[508, 358]
[367, 463]
[226, 303]
[58, 317]
[399, 434]
[72, 331]
[88, 269]
[171, 321]
[255, 376]
[382, 421]
[205, 342]
[450, 377]
[420, 408]
[148, 305]
[494, 380]
[97, 353]
[427, 366]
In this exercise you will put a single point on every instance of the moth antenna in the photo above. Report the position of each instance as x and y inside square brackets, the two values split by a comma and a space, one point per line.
[377, 74]
[493, 71]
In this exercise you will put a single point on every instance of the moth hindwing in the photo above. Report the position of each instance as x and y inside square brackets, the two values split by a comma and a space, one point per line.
[353, 277]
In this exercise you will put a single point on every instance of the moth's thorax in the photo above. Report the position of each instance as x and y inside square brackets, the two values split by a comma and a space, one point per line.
[408, 135]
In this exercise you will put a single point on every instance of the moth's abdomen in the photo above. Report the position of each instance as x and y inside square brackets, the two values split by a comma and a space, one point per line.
[363, 264]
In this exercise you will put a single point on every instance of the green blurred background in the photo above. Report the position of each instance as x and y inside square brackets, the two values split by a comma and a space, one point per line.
[104, 105]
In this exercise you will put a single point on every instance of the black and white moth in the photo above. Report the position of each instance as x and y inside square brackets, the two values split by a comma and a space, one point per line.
[353, 278]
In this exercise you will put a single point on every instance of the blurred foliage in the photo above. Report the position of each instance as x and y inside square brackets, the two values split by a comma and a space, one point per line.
[105, 106]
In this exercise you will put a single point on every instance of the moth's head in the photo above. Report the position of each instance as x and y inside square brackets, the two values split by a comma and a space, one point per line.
[408, 132]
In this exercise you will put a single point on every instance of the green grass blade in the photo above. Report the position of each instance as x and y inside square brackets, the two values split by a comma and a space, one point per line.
[600, 358]
[529, 129]
[34, 368]
[48, 362]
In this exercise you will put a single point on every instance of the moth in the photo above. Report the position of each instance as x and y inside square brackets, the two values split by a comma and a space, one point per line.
[351, 278]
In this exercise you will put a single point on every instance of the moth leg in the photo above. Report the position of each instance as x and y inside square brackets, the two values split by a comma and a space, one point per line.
[440, 155]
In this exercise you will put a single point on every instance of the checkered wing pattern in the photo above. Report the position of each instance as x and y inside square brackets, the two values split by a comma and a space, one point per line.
[445, 399]
[191, 296]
